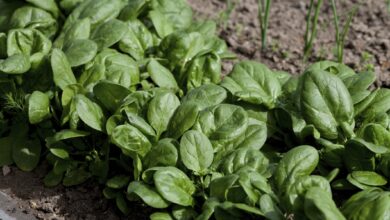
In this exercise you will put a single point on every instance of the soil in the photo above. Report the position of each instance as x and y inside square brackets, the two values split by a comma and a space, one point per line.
[367, 46]
[82, 202]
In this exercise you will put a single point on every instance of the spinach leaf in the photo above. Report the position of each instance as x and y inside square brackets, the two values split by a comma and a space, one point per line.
[196, 151]
[174, 186]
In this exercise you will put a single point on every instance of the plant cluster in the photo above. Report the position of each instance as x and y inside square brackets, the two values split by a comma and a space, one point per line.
[130, 94]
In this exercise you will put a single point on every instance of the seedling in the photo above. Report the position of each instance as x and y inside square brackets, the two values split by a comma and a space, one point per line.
[263, 13]
[311, 27]
[340, 36]
[225, 15]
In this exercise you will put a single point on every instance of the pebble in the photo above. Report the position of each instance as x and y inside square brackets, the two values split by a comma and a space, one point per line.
[6, 170]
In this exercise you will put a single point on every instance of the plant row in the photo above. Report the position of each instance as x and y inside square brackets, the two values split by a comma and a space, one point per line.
[129, 94]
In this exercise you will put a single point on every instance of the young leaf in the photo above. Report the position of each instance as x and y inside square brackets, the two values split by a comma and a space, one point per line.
[196, 151]
[174, 186]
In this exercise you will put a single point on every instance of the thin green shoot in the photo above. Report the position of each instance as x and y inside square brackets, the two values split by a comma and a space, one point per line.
[341, 36]
[263, 14]
[311, 27]
[225, 15]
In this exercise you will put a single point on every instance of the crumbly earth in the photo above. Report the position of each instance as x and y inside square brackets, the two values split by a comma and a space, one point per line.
[367, 46]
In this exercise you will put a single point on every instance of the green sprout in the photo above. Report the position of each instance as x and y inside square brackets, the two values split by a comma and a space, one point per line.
[225, 15]
[340, 36]
[311, 27]
[263, 13]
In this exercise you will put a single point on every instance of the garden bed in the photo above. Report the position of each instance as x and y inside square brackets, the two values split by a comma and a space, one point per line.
[367, 46]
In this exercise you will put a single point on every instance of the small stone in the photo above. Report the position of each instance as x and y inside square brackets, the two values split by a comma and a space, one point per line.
[6, 170]
[33, 205]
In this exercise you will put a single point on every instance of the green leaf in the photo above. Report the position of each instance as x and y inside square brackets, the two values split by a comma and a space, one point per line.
[15, 64]
[122, 204]
[326, 103]
[174, 186]
[109, 33]
[118, 181]
[161, 76]
[367, 204]
[130, 140]
[110, 94]
[26, 153]
[369, 178]
[148, 194]
[183, 119]
[76, 177]
[196, 151]
[319, 205]
[161, 216]
[254, 83]
[206, 95]
[6, 151]
[297, 162]
[61, 153]
[62, 72]
[214, 124]
[65, 135]
[80, 51]
[162, 154]
[52, 179]
[160, 111]
[38, 107]
[90, 113]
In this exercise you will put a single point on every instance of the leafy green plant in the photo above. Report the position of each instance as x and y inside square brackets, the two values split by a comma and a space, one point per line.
[341, 34]
[263, 14]
[141, 108]
[311, 27]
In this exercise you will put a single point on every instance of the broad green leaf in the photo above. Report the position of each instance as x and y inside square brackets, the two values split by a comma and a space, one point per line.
[61, 153]
[52, 179]
[326, 103]
[206, 95]
[367, 204]
[15, 64]
[162, 154]
[320, 206]
[90, 113]
[253, 83]
[62, 72]
[174, 186]
[160, 111]
[6, 151]
[297, 162]
[38, 107]
[369, 178]
[64, 135]
[80, 51]
[148, 194]
[196, 151]
[161, 75]
[183, 119]
[109, 33]
[244, 159]
[178, 12]
[75, 177]
[161, 216]
[118, 181]
[110, 94]
[130, 140]
[26, 153]
[222, 122]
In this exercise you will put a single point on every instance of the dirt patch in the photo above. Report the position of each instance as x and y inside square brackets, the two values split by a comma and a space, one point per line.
[82, 202]
[367, 45]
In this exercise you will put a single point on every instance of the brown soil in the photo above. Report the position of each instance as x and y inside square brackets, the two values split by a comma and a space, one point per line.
[81, 202]
[368, 43]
